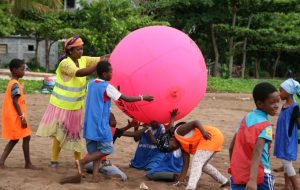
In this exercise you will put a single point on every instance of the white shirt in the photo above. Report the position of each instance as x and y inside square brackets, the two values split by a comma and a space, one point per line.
[111, 91]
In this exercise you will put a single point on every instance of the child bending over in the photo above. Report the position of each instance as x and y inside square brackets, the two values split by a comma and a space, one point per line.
[202, 142]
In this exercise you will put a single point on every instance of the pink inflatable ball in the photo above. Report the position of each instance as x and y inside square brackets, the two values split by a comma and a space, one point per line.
[163, 62]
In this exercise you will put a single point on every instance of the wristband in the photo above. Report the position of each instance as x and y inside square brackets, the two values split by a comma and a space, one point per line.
[22, 117]
[142, 98]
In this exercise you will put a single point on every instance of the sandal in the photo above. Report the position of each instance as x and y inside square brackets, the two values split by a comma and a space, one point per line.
[54, 164]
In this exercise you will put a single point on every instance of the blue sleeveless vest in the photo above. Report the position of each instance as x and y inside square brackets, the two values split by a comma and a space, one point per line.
[169, 163]
[97, 111]
[286, 147]
[147, 155]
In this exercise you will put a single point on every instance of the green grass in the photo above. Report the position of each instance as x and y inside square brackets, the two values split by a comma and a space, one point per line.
[30, 86]
[215, 84]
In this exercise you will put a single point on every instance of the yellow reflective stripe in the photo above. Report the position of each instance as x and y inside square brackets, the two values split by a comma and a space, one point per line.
[67, 99]
[71, 89]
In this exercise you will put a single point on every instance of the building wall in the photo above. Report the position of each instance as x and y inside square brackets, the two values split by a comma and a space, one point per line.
[24, 48]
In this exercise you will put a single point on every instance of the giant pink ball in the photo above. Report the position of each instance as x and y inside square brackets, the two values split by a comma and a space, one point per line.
[163, 62]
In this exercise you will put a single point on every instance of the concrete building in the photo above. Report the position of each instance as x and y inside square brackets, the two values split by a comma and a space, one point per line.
[24, 48]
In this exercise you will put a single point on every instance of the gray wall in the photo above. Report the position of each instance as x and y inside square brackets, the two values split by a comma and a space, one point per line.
[17, 47]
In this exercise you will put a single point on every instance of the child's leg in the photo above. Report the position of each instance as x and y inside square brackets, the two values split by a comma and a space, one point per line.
[290, 175]
[77, 155]
[96, 151]
[25, 145]
[96, 165]
[200, 158]
[214, 173]
[55, 150]
[8, 148]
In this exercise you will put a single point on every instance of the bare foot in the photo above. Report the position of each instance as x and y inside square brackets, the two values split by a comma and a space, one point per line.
[2, 166]
[32, 167]
[95, 179]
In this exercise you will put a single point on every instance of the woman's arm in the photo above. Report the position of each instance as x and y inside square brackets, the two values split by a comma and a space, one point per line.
[85, 71]
[92, 63]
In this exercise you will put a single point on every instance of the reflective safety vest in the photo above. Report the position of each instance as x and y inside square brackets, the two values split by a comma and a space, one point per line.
[69, 95]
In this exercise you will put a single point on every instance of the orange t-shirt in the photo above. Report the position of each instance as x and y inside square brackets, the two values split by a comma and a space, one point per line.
[11, 121]
[194, 140]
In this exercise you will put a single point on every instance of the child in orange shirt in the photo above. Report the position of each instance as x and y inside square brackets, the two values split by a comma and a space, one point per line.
[14, 117]
[203, 142]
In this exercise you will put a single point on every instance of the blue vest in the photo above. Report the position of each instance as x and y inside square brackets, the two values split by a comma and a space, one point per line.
[147, 155]
[97, 111]
[286, 147]
[169, 163]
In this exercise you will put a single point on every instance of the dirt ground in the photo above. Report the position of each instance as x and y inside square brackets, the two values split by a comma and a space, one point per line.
[222, 110]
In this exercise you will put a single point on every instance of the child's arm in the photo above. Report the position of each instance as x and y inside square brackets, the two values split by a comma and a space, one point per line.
[136, 134]
[18, 109]
[186, 128]
[147, 98]
[173, 115]
[256, 157]
[151, 136]
[130, 124]
[231, 146]
[185, 167]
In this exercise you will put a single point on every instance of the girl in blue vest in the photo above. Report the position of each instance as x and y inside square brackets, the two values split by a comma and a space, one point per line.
[286, 139]
[162, 166]
[96, 131]
[147, 156]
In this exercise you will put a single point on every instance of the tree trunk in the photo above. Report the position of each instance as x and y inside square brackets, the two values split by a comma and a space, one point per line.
[231, 48]
[216, 71]
[36, 61]
[47, 54]
[257, 67]
[245, 49]
[49, 49]
[276, 63]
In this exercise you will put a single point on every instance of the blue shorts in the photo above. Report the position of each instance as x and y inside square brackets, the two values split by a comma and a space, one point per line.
[268, 184]
[94, 146]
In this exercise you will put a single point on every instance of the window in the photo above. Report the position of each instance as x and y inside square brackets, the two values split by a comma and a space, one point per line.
[3, 48]
[30, 47]
[70, 4]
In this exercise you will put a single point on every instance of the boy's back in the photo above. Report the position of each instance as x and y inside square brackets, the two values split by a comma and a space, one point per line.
[97, 112]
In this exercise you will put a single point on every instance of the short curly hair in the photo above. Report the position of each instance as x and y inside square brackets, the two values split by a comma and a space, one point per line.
[262, 91]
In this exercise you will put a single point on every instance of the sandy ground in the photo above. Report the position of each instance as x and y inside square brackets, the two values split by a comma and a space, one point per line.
[221, 110]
